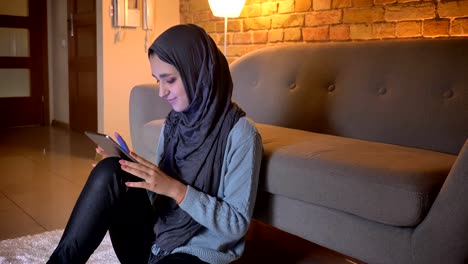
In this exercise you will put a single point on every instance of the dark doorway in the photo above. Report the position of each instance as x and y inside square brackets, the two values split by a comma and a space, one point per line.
[82, 63]
[24, 99]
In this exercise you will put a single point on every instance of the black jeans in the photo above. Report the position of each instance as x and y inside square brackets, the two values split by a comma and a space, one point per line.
[106, 203]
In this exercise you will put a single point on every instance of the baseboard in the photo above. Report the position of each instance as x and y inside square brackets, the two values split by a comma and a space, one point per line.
[56, 123]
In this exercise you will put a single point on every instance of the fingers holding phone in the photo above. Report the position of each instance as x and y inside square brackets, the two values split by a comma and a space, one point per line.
[102, 154]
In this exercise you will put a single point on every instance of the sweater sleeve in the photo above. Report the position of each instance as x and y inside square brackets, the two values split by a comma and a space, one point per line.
[229, 214]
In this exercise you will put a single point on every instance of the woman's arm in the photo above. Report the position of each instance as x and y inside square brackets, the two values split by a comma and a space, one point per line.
[230, 214]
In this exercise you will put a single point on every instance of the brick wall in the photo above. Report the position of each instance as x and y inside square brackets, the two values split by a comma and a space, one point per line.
[275, 22]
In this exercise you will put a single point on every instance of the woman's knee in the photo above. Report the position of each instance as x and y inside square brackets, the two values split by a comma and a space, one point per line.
[109, 163]
[106, 170]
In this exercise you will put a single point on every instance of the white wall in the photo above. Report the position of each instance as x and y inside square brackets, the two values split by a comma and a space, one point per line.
[58, 60]
[50, 58]
[120, 65]
[125, 64]
[166, 14]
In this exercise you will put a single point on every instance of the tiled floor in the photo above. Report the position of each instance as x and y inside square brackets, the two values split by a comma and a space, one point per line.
[43, 169]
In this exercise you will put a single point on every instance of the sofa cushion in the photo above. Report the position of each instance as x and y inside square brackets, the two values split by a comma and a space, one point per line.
[362, 90]
[386, 183]
[150, 136]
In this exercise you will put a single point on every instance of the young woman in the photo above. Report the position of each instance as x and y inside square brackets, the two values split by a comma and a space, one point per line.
[194, 203]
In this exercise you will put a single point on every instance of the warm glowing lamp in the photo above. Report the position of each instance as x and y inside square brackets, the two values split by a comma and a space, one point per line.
[226, 8]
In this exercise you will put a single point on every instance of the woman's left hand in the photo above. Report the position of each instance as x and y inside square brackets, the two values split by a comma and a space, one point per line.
[155, 180]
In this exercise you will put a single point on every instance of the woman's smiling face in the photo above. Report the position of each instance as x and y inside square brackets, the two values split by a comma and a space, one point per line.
[171, 86]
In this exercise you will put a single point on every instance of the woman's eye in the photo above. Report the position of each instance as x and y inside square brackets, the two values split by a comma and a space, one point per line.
[170, 81]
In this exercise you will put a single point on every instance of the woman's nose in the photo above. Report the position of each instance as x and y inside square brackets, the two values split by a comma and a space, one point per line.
[162, 91]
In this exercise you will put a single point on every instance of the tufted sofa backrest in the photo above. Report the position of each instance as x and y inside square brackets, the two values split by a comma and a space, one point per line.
[405, 92]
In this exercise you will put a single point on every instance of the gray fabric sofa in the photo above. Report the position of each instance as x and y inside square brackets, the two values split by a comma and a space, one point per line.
[365, 144]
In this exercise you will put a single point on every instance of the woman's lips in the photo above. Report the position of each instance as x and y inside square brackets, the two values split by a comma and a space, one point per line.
[172, 100]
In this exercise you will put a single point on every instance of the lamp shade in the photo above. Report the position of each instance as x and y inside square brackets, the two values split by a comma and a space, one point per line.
[226, 8]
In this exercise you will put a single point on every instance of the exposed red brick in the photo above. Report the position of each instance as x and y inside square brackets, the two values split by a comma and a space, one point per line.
[286, 7]
[302, 5]
[292, 34]
[283, 21]
[384, 2]
[453, 9]
[233, 25]
[363, 15]
[208, 26]
[242, 38]
[237, 50]
[249, 2]
[269, 8]
[220, 38]
[275, 35]
[257, 23]
[186, 19]
[411, 12]
[339, 32]
[341, 3]
[198, 5]
[259, 37]
[315, 33]
[383, 30]
[274, 22]
[253, 10]
[436, 28]
[360, 31]
[184, 6]
[214, 36]
[459, 27]
[202, 16]
[363, 3]
[323, 18]
[408, 29]
[321, 4]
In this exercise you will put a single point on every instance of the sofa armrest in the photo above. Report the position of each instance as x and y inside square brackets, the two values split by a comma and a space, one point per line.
[145, 106]
[441, 237]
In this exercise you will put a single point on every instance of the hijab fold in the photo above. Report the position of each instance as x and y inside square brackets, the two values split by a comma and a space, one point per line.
[195, 139]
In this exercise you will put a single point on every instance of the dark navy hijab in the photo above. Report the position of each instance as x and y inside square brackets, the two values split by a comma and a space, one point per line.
[195, 139]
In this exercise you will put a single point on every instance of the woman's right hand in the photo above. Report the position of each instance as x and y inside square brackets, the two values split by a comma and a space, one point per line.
[102, 153]
[120, 141]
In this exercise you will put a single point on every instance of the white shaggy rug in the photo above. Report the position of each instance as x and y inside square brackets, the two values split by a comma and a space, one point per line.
[37, 249]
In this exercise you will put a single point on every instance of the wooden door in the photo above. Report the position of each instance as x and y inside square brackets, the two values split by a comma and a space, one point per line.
[82, 64]
[23, 63]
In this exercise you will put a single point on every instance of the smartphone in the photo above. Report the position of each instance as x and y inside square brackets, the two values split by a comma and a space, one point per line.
[112, 148]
